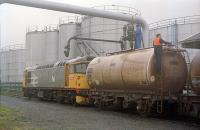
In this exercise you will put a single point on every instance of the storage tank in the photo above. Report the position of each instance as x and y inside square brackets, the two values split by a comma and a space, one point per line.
[12, 64]
[135, 71]
[69, 27]
[42, 45]
[195, 73]
[35, 46]
[51, 44]
[107, 29]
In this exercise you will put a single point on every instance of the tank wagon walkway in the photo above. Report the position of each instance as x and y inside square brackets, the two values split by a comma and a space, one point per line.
[64, 117]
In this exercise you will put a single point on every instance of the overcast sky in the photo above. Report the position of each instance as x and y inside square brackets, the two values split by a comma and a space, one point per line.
[14, 19]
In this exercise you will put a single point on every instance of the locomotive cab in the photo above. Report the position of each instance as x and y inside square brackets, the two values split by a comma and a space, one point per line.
[77, 80]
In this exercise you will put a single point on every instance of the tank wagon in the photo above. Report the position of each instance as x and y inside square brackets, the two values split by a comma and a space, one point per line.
[130, 78]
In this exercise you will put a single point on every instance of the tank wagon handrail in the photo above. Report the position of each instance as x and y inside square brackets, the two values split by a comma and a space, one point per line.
[70, 19]
[12, 47]
[130, 50]
[119, 9]
[173, 21]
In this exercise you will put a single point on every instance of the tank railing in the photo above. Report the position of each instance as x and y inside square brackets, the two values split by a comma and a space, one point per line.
[12, 47]
[119, 9]
[173, 21]
[52, 27]
[70, 19]
[35, 28]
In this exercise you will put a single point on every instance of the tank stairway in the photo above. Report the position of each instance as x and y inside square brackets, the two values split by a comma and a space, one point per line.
[86, 48]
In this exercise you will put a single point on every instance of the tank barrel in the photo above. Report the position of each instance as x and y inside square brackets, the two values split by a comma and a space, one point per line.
[62, 7]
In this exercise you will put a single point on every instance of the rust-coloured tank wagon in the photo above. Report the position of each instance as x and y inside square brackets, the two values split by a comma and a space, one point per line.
[135, 71]
[130, 78]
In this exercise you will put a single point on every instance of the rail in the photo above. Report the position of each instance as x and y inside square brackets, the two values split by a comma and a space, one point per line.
[179, 20]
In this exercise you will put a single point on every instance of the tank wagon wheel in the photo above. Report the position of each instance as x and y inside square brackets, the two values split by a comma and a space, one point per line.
[143, 108]
[198, 115]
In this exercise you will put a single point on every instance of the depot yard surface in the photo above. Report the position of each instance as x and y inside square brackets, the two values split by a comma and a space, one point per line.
[12, 120]
[53, 116]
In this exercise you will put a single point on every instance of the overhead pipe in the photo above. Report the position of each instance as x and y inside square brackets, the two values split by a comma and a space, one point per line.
[62, 7]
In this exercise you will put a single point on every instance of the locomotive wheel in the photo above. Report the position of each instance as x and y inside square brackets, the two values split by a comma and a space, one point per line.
[60, 99]
[73, 101]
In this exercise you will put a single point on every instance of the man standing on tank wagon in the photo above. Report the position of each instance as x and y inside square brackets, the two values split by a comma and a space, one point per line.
[157, 44]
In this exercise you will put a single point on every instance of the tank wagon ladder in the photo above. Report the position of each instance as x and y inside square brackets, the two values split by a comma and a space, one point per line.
[159, 96]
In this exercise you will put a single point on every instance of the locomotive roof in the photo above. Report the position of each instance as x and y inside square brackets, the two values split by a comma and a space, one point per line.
[62, 63]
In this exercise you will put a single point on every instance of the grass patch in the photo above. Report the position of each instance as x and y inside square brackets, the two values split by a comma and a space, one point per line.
[13, 120]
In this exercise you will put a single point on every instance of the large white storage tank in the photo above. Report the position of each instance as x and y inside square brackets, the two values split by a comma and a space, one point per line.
[42, 45]
[51, 44]
[35, 46]
[12, 64]
[69, 27]
[107, 29]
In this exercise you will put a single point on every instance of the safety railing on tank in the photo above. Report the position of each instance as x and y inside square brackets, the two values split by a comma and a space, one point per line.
[12, 47]
[179, 20]
[119, 9]
[51, 27]
[70, 19]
